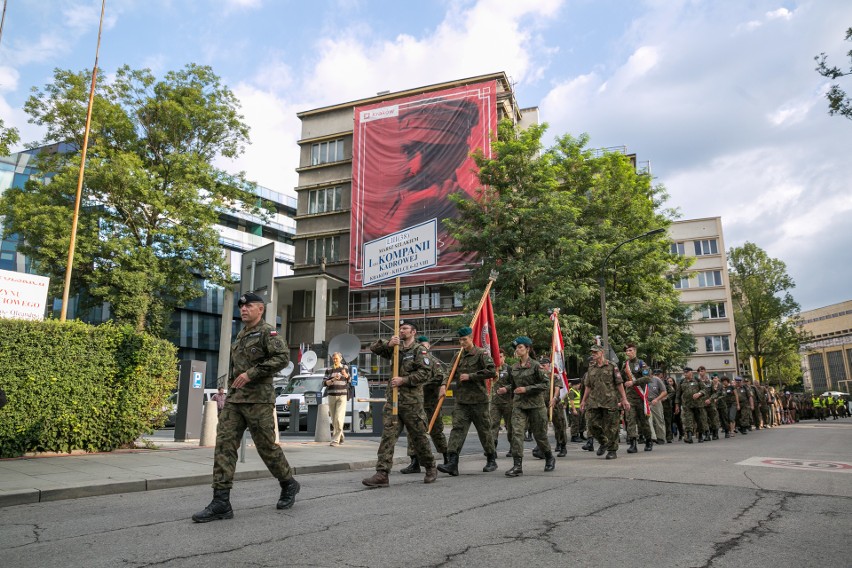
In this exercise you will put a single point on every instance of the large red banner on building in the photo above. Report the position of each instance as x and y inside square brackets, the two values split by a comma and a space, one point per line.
[408, 156]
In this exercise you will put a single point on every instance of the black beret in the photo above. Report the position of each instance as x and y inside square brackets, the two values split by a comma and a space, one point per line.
[250, 298]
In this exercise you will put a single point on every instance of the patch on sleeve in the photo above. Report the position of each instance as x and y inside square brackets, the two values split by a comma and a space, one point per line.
[426, 360]
[277, 343]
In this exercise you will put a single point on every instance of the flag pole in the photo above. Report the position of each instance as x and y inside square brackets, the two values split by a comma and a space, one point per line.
[73, 242]
[553, 344]
[491, 278]
[395, 396]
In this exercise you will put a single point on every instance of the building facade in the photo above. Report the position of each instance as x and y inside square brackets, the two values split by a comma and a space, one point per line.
[827, 356]
[706, 289]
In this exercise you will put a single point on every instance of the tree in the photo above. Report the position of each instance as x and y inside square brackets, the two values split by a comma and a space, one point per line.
[545, 219]
[151, 197]
[838, 101]
[8, 138]
[764, 310]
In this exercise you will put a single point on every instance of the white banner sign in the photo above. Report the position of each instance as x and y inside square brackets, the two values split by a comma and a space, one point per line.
[22, 296]
[401, 253]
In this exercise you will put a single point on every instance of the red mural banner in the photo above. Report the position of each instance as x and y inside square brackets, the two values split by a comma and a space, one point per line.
[408, 156]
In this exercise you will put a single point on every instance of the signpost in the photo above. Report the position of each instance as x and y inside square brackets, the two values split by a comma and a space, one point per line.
[394, 256]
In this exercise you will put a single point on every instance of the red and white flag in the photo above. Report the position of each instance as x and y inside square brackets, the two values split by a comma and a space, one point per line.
[485, 332]
[557, 349]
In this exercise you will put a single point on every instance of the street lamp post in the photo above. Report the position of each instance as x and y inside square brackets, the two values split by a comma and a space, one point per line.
[602, 282]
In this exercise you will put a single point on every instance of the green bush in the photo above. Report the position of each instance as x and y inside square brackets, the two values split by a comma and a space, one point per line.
[74, 386]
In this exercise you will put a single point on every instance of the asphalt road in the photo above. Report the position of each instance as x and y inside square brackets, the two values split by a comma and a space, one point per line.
[696, 506]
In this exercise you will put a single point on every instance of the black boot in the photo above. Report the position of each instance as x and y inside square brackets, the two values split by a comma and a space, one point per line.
[413, 467]
[289, 489]
[445, 458]
[575, 439]
[452, 466]
[563, 451]
[632, 449]
[490, 463]
[688, 438]
[649, 445]
[700, 437]
[589, 446]
[219, 508]
[549, 461]
[715, 434]
[727, 434]
[536, 453]
[601, 450]
[611, 455]
[509, 454]
[517, 469]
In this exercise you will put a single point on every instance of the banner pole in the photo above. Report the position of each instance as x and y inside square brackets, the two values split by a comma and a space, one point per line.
[395, 396]
[552, 362]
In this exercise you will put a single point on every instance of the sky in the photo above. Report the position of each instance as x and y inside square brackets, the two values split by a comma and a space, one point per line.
[721, 96]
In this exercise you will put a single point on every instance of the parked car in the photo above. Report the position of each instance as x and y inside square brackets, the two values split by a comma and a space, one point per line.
[298, 385]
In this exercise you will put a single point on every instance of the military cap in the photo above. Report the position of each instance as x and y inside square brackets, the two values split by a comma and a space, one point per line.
[464, 331]
[738, 378]
[574, 381]
[715, 374]
[687, 369]
[250, 298]
[596, 348]
[408, 322]
[422, 339]
[522, 340]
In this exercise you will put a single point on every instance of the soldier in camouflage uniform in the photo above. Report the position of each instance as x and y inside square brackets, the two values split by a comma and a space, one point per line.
[636, 375]
[710, 403]
[745, 407]
[689, 401]
[501, 406]
[256, 355]
[603, 389]
[430, 402]
[475, 367]
[530, 384]
[415, 370]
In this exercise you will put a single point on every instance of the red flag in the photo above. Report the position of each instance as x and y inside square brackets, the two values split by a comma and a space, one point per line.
[558, 348]
[485, 332]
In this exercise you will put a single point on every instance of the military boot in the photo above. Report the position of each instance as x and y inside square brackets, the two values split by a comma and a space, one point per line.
[452, 466]
[219, 508]
[563, 451]
[700, 437]
[649, 445]
[611, 455]
[688, 438]
[490, 463]
[517, 469]
[715, 434]
[536, 453]
[379, 479]
[549, 461]
[431, 475]
[289, 489]
[727, 434]
[632, 449]
[509, 454]
[601, 450]
[575, 439]
[589, 446]
[413, 467]
[445, 458]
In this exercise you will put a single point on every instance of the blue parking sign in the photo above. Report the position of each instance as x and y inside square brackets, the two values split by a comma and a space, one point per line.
[196, 380]
[354, 375]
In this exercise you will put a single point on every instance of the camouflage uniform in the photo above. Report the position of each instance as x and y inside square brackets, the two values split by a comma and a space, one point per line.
[472, 400]
[691, 408]
[260, 353]
[529, 407]
[710, 407]
[501, 406]
[744, 413]
[602, 414]
[430, 402]
[415, 365]
[637, 420]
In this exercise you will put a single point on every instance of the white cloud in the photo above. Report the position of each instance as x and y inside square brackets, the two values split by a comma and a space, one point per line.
[779, 14]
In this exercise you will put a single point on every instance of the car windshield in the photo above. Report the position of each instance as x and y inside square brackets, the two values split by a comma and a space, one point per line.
[301, 385]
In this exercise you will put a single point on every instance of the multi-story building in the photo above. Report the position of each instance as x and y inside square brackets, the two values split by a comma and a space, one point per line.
[706, 288]
[321, 300]
[196, 327]
[827, 356]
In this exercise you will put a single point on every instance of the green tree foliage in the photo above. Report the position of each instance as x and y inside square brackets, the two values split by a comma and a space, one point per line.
[151, 194]
[73, 386]
[546, 219]
[838, 101]
[764, 311]
[8, 138]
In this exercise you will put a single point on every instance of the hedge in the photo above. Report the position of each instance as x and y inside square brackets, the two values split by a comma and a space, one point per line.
[74, 386]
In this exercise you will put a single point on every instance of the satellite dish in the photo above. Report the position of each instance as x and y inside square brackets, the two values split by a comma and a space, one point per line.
[349, 346]
[309, 360]
[288, 370]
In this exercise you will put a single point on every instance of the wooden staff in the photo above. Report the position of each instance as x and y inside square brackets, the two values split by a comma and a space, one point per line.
[395, 395]
[552, 363]
[491, 278]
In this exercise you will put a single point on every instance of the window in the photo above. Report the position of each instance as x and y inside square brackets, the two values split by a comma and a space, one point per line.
[715, 343]
[333, 303]
[316, 249]
[707, 246]
[326, 199]
[714, 311]
[709, 278]
[680, 283]
[326, 152]
[308, 306]
[678, 249]
[377, 302]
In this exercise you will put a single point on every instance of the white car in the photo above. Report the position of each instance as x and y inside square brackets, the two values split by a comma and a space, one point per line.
[298, 385]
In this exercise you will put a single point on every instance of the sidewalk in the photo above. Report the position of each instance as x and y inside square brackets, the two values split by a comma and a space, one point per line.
[174, 464]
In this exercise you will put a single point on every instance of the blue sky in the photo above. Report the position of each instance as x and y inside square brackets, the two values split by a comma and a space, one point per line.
[720, 95]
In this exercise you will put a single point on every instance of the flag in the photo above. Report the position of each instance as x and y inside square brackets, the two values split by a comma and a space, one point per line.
[485, 332]
[558, 349]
